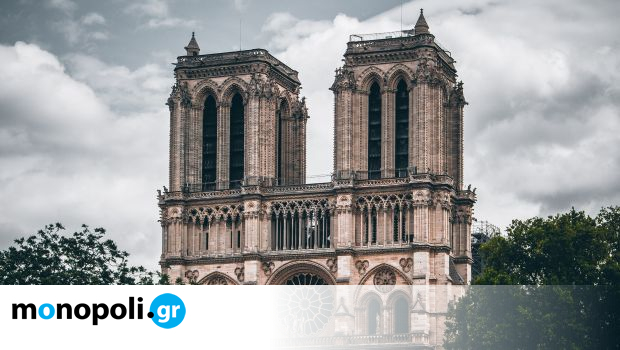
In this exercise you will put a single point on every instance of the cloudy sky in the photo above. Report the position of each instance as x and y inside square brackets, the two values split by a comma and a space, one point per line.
[84, 128]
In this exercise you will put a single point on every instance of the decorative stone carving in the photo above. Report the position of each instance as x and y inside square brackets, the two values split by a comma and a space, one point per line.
[345, 79]
[457, 99]
[406, 264]
[299, 109]
[212, 213]
[240, 273]
[421, 198]
[427, 73]
[186, 99]
[362, 266]
[173, 95]
[192, 276]
[442, 199]
[384, 280]
[268, 267]
[217, 280]
[332, 263]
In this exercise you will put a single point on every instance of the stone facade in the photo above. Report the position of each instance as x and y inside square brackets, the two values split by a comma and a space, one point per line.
[395, 211]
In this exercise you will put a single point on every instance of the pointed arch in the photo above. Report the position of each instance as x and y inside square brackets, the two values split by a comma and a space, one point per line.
[370, 75]
[373, 271]
[231, 86]
[217, 278]
[399, 306]
[203, 89]
[396, 73]
[290, 269]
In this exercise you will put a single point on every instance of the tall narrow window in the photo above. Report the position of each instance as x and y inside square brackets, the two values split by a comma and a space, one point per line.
[374, 317]
[236, 141]
[209, 144]
[402, 129]
[401, 316]
[374, 132]
[281, 114]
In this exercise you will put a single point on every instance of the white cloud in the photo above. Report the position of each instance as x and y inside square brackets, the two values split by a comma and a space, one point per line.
[93, 18]
[241, 5]
[157, 14]
[120, 88]
[152, 8]
[75, 32]
[171, 22]
[285, 29]
[68, 156]
[66, 6]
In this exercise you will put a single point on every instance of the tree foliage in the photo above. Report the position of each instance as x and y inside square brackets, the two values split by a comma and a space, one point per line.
[563, 272]
[84, 257]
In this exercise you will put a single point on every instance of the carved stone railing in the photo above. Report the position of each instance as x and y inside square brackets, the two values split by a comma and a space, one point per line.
[178, 195]
[357, 179]
[317, 187]
[235, 56]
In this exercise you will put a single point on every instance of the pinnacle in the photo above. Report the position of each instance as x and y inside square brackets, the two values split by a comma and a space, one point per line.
[421, 27]
[192, 48]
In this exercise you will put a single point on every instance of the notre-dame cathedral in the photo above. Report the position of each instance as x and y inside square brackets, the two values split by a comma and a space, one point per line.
[238, 209]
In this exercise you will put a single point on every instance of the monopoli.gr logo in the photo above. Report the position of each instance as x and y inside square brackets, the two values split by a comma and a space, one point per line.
[166, 311]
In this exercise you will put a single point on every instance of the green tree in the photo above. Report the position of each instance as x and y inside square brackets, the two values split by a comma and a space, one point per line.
[564, 273]
[566, 249]
[84, 257]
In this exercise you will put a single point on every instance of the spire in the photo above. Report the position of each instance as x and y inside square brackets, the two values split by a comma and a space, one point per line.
[192, 48]
[421, 27]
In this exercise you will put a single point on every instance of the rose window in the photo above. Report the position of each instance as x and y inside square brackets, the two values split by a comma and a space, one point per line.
[384, 280]
[307, 306]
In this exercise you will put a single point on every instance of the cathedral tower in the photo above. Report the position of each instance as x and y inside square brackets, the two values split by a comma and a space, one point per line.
[399, 109]
[236, 119]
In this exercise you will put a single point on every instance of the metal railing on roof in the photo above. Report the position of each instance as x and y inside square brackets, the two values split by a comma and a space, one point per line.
[379, 36]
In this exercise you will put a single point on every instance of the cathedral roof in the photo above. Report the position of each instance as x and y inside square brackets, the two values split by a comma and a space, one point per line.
[421, 27]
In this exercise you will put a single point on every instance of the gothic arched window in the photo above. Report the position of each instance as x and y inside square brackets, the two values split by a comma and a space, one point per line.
[374, 317]
[374, 132]
[209, 144]
[401, 316]
[402, 129]
[236, 141]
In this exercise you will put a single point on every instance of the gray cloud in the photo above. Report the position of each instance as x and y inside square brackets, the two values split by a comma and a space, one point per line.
[157, 15]
[67, 156]
[83, 126]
